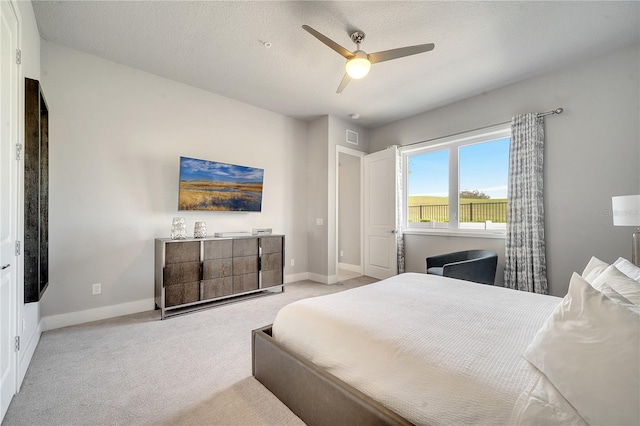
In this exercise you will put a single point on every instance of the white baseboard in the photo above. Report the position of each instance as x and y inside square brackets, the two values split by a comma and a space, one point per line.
[324, 279]
[296, 277]
[73, 318]
[351, 268]
[27, 348]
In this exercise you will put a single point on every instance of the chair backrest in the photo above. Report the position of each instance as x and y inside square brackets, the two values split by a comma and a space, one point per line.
[458, 256]
[478, 254]
[470, 265]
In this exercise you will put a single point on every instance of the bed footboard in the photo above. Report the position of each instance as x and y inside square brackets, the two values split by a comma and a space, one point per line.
[314, 395]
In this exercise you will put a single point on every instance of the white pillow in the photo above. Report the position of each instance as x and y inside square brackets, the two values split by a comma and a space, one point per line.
[621, 283]
[594, 268]
[628, 268]
[618, 298]
[614, 295]
[589, 348]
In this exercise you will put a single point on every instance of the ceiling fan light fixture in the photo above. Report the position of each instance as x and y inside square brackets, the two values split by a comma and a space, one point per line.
[359, 62]
[358, 66]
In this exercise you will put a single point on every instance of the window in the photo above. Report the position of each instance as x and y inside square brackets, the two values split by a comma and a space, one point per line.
[458, 183]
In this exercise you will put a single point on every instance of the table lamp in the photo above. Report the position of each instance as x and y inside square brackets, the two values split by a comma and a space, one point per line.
[626, 212]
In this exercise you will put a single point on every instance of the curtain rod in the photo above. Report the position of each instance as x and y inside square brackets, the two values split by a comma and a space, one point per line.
[540, 114]
[552, 112]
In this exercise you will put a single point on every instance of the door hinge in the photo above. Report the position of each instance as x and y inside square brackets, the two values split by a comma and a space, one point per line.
[18, 151]
[18, 56]
[17, 248]
[17, 343]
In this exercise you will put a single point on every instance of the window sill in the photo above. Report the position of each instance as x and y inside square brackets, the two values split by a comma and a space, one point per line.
[462, 233]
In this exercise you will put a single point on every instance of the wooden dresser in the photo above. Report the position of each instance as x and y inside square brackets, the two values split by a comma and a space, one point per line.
[194, 274]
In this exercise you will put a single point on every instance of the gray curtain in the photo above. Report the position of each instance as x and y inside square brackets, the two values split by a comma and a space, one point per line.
[399, 212]
[525, 267]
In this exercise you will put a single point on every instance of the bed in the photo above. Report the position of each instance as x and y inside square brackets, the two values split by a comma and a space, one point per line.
[412, 349]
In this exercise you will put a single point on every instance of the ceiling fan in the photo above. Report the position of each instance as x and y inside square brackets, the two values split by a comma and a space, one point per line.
[359, 62]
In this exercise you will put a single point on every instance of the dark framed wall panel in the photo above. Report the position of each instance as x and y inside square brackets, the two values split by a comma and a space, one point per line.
[36, 193]
[44, 195]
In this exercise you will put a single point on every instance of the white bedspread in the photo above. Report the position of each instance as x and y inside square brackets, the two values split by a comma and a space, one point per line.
[435, 350]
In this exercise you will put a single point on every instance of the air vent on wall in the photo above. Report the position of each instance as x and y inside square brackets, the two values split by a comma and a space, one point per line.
[352, 137]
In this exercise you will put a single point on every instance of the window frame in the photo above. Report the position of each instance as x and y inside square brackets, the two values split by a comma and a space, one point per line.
[452, 144]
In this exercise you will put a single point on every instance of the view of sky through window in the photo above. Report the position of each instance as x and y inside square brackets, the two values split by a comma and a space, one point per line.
[483, 167]
[429, 174]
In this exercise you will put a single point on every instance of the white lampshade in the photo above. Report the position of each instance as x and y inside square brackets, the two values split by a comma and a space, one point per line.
[358, 66]
[626, 210]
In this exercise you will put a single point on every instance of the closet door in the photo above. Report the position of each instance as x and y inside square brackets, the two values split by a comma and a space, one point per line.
[9, 81]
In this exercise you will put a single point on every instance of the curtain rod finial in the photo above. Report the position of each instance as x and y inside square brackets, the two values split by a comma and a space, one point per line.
[558, 110]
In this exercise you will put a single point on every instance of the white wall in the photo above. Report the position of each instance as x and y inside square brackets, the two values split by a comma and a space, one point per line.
[116, 135]
[592, 153]
[317, 163]
[28, 314]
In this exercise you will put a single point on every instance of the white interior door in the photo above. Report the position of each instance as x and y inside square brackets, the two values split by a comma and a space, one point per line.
[380, 246]
[8, 206]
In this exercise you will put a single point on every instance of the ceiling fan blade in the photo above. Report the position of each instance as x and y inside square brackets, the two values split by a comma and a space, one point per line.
[387, 55]
[345, 80]
[332, 44]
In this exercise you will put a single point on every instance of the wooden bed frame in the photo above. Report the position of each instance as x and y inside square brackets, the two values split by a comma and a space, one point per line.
[313, 394]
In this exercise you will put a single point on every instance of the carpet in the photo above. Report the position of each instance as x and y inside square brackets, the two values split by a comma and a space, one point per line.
[192, 369]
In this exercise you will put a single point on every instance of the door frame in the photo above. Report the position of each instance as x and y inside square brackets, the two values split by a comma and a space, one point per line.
[353, 152]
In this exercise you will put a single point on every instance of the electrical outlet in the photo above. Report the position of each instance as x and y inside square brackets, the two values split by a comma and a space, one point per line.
[341, 253]
[97, 288]
[293, 262]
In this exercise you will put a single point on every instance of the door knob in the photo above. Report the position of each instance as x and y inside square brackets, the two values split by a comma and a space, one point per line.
[5, 266]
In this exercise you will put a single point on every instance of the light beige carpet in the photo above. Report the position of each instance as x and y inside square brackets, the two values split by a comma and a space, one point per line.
[193, 369]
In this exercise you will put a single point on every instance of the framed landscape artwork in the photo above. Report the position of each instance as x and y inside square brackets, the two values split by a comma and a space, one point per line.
[214, 186]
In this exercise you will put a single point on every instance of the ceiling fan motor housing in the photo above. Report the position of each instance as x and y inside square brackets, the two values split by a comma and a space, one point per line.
[357, 37]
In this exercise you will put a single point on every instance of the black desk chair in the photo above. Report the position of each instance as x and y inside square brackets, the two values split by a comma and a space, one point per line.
[470, 265]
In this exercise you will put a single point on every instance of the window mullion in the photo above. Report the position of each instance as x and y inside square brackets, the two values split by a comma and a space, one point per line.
[405, 189]
[454, 217]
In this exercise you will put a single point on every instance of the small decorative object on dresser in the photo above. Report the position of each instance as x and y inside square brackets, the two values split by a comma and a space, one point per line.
[178, 228]
[200, 230]
[192, 274]
[261, 231]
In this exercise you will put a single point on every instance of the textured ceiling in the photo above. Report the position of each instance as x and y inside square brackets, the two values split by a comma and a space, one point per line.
[218, 46]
